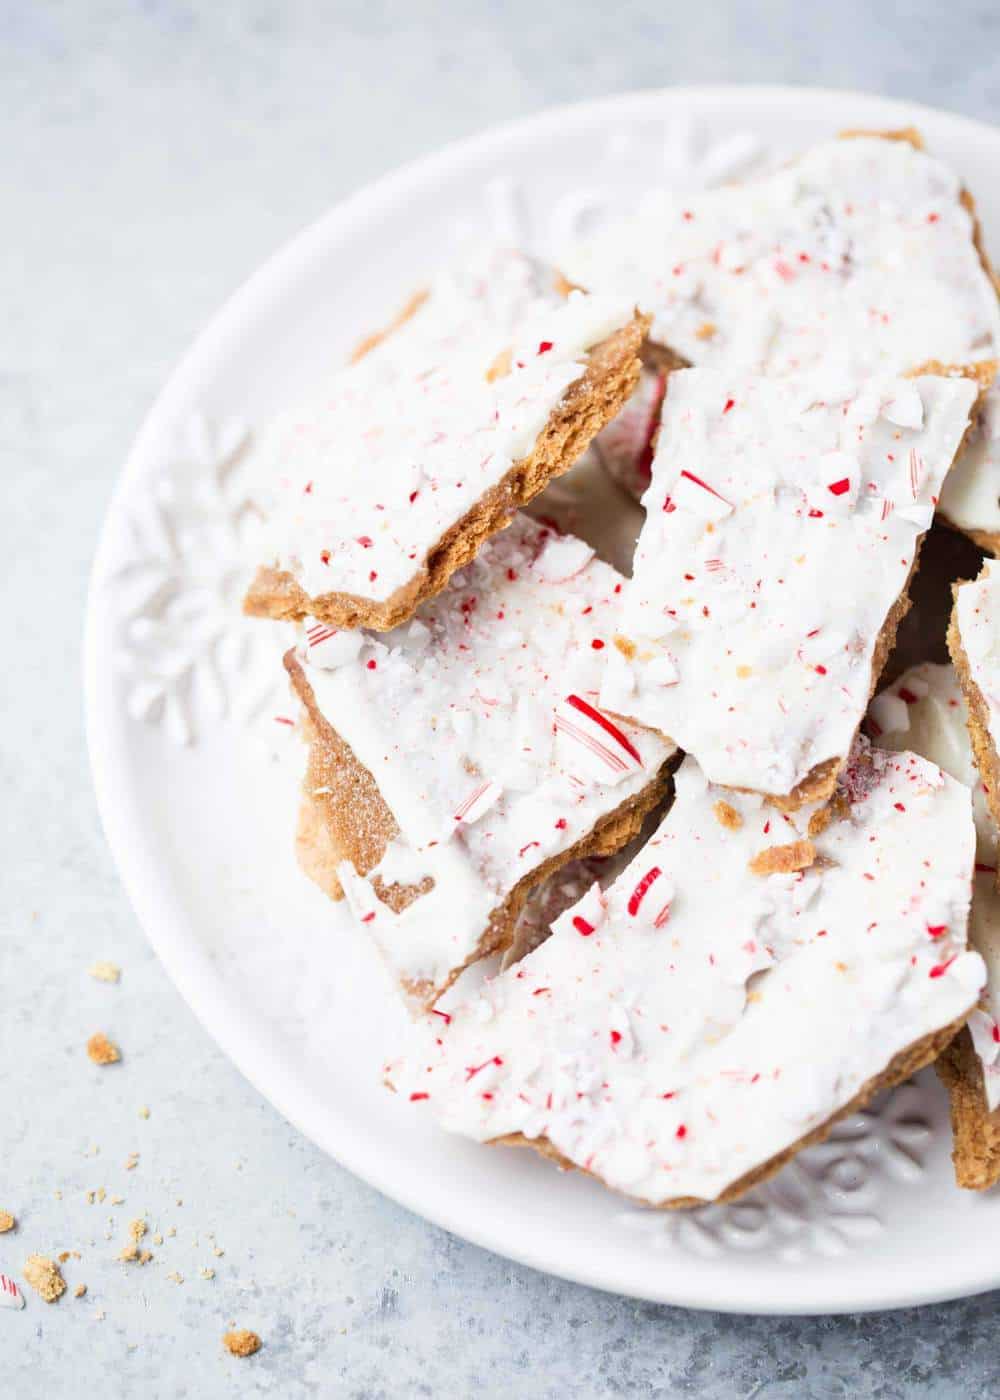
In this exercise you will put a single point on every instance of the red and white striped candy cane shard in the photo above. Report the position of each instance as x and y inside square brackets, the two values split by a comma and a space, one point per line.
[482, 797]
[598, 735]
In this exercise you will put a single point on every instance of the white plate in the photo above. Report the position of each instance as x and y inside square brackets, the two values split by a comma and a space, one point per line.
[202, 829]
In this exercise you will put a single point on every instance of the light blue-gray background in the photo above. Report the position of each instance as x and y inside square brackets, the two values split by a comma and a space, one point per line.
[150, 156]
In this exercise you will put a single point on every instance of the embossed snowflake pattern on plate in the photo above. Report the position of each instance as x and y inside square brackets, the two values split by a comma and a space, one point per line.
[824, 1202]
[189, 656]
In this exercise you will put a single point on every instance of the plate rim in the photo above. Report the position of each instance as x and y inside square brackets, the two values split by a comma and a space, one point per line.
[199, 982]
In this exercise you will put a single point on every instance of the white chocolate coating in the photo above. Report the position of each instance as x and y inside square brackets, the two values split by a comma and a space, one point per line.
[369, 473]
[858, 253]
[476, 720]
[924, 710]
[781, 525]
[970, 497]
[696, 1020]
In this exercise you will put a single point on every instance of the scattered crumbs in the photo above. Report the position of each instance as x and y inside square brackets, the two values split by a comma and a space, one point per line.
[705, 331]
[117, 1200]
[137, 1228]
[44, 1277]
[206, 1273]
[69, 1254]
[80, 1290]
[172, 1231]
[157, 1238]
[241, 1342]
[132, 1162]
[101, 1193]
[105, 972]
[727, 815]
[217, 1251]
[7, 1221]
[91, 1197]
[102, 1051]
[144, 1111]
[58, 1194]
[176, 1277]
[626, 646]
[100, 1315]
[132, 1254]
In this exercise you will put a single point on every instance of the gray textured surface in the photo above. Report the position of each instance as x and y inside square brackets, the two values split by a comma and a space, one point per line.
[151, 156]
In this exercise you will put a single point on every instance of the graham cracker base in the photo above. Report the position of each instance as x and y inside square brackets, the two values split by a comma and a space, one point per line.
[589, 403]
[314, 850]
[900, 1067]
[348, 819]
[975, 1130]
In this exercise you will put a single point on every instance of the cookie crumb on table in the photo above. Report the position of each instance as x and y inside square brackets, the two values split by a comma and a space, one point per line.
[102, 1051]
[79, 1290]
[241, 1342]
[132, 1254]
[44, 1276]
[7, 1221]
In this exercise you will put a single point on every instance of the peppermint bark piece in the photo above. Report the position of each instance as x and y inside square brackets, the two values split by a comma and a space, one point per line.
[461, 759]
[970, 499]
[865, 253]
[974, 645]
[862, 251]
[686, 1032]
[404, 463]
[783, 521]
[925, 711]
